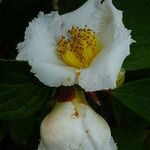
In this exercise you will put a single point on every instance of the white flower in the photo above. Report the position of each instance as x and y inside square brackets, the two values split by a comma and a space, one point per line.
[75, 126]
[90, 54]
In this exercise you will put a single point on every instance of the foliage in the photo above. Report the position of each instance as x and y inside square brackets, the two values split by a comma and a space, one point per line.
[136, 96]
[20, 93]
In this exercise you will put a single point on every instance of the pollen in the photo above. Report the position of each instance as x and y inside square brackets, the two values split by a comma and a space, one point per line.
[79, 48]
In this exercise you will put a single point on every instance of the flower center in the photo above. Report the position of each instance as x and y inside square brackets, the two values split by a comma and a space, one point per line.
[80, 48]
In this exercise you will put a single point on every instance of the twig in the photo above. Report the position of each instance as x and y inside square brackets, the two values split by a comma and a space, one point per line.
[55, 5]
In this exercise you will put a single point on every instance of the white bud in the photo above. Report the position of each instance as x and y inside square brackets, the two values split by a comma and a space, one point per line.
[75, 126]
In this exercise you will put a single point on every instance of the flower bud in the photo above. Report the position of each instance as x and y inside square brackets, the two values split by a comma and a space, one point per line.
[121, 77]
[73, 125]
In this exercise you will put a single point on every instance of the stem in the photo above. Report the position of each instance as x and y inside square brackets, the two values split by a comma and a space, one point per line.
[55, 5]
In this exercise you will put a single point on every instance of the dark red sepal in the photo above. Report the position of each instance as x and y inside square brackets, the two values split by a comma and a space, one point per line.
[65, 94]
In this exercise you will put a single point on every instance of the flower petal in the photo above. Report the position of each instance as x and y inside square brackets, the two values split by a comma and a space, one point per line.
[41, 146]
[104, 70]
[111, 145]
[53, 75]
[39, 49]
[40, 42]
[82, 16]
[105, 16]
[94, 126]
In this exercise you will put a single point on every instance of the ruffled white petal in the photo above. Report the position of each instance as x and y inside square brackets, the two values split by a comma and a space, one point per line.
[41, 146]
[39, 49]
[111, 145]
[53, 75]
[62, 130]
[104, 70]
[40, 39]
[82, 16]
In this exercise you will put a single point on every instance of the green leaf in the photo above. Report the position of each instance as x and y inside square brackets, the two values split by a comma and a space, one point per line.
[130, 139]
[137, 75]
[3, 130]
[138, 20]
[122, 114]
[20, 130]
[135, 95]
[21, 94]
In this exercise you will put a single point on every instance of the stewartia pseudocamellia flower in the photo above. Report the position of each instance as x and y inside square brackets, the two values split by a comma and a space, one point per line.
[85, 47]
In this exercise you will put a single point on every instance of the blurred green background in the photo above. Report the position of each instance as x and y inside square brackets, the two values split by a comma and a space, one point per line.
[18, 134]
[127, 115]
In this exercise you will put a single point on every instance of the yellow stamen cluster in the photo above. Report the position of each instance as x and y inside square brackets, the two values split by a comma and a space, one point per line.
[80, 48]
